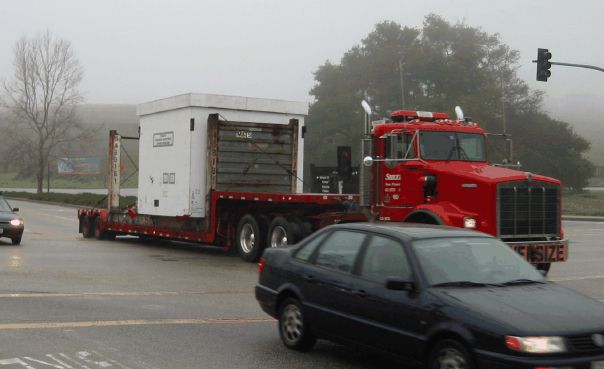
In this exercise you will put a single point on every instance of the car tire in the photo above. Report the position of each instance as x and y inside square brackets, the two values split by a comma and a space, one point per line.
[86, 227]
[282, 232]
[249, 239]
[294, 330]
[449, 353]
[97, 229]
[16, 240]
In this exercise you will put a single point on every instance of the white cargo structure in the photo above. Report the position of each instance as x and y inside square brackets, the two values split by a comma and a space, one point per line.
[193, 143]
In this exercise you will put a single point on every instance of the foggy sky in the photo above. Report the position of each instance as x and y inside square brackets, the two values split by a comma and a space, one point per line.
[136, 51]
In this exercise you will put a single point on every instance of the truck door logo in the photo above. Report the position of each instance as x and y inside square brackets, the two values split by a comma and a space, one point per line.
[393, 177]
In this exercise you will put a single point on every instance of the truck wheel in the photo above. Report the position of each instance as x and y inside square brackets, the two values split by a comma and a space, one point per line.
[282, 233]
[249, 239]
[543, 267]
[86, 227]
[98, 229]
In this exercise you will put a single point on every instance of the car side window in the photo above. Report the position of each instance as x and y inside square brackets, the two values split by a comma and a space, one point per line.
[384, 257]
[340, 250]
[305, 252]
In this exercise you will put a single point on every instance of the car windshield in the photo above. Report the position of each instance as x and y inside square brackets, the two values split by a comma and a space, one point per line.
[4, 206]
[471, 261]
[443, 145]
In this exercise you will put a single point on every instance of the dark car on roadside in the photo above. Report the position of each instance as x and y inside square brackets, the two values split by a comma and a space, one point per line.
[11, 226]
[442, 297]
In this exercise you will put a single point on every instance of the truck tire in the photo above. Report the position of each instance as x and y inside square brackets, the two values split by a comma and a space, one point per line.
[85, 226]
[543, 267]
[282, 232]
[249, 239]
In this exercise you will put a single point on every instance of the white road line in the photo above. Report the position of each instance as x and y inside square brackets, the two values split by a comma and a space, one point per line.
[576, 278]
[119, 294]
[122, 323]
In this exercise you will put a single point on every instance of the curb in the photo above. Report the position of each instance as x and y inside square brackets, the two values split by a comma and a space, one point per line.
[584, 218]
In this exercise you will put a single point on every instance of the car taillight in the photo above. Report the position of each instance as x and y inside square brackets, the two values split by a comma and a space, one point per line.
[261, 265]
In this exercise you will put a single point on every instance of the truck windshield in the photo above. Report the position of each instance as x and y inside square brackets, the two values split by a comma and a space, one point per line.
[443, 145]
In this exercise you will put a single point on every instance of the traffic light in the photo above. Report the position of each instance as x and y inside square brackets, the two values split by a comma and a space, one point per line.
[344, 162]
[543, 64]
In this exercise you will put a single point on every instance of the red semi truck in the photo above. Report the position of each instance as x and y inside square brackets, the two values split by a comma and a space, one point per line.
[226, 171]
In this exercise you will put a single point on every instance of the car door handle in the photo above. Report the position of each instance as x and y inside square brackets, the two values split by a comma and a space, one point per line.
[308, 278]
[360, 293]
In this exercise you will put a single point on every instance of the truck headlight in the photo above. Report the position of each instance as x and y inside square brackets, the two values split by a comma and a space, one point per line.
[469, 222]
[16, 222]
[536, 345]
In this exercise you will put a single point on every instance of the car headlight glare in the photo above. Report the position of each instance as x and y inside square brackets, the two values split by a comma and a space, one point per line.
[536, 345]
[16, 222]
[469, 223]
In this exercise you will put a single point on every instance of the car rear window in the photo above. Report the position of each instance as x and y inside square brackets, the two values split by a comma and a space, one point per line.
[305, 251]
[340, 250]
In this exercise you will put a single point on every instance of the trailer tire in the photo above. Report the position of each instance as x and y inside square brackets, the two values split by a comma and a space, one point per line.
[282, 232]
[85, 226]
[304, 226]
[97, 230]
[249, 239]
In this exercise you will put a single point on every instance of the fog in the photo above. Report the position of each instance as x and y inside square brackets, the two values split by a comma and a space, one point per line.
[135, 51]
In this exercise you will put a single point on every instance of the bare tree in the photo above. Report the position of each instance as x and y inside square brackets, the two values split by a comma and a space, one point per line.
[42, 97]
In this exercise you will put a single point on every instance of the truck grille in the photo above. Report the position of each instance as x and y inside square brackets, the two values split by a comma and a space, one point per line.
[528, 210]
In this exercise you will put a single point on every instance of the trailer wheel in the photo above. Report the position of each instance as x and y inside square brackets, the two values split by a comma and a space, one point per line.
[98, 229]
[249, 238]
[85, 226]
[282, 233]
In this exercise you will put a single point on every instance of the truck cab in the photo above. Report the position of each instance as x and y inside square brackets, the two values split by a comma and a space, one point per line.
[428, 168]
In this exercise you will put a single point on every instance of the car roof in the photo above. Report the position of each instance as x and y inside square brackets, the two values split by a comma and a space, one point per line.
[411, 231]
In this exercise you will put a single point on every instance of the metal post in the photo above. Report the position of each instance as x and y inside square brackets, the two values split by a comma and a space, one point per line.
[113, 184]
[48, 176]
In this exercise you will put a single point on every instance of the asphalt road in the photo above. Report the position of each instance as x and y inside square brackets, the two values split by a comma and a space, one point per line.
[66, 302]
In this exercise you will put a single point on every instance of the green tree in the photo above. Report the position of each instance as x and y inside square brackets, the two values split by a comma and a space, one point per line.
[443, 65]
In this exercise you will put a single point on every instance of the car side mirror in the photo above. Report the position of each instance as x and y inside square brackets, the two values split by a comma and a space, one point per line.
[399, 284]
[15, 210]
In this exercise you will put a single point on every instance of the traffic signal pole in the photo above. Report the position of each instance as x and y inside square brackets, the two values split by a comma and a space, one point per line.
[577, 65]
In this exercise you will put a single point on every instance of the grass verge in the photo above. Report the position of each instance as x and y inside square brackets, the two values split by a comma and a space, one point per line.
[81, 199]
[583, 203]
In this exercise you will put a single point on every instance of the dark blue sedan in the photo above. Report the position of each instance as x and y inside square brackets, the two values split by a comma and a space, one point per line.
[443, 297]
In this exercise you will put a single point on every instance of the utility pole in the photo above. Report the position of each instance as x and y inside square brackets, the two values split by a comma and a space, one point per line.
[400, 69]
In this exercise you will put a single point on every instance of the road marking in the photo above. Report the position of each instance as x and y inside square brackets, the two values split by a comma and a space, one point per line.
[121, 323]
[118, 293]
[576, 278]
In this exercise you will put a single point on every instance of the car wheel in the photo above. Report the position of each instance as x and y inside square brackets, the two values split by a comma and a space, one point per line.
[249, 238]
[293, 328]
[86, 227]
[98, 229]
[16, 240]
[450, 354]
[282, 232]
